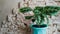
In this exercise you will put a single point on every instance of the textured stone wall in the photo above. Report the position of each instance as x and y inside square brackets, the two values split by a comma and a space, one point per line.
[6, 7]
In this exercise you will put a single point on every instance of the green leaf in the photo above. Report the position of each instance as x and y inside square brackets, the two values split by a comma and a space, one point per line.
[28, 17]
[25, 9]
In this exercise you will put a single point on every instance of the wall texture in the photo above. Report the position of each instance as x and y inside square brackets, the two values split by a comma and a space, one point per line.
[6, 6]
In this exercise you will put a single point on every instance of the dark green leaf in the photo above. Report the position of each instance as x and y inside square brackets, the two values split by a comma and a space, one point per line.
[28, 17]
[25, 9]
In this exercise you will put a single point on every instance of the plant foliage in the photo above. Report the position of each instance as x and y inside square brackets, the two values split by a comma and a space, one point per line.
[40, 13]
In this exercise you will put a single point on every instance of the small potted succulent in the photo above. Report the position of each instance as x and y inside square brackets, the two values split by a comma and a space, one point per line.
[40, 16]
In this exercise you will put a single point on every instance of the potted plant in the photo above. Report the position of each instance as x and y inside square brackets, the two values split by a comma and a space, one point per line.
[40, 16]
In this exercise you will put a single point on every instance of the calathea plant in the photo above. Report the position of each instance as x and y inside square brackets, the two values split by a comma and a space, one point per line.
[40, 13]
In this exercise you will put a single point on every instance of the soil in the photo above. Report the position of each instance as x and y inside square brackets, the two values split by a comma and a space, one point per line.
[40, 26]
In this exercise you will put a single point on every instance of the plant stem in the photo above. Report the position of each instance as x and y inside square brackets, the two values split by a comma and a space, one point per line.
[47, 20]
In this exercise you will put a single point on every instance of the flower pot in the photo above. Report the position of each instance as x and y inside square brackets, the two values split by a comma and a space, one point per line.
[39, 30]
